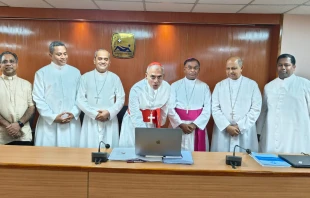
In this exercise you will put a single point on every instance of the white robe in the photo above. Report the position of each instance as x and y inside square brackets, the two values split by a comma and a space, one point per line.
[247, 109]
[284, 123]
[112, 98]
[140, 97]
[198, 97]
[54, 92]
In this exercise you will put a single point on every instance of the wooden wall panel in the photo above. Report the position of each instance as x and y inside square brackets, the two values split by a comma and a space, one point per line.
[169, 44]
[166, 43]
[165, 46]
[82, 40]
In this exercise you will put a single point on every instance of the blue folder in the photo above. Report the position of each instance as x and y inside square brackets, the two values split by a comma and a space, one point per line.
[270, 160]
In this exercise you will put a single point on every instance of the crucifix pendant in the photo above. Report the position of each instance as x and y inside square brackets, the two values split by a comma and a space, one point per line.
[151, 118]
[97, 98]
[232, 115]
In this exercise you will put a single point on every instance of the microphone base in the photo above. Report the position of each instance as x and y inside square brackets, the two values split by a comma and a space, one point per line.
[99, 157]
[235, 160]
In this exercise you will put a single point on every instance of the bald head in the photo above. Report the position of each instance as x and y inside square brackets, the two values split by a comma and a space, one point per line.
[101, 50]
[154, 75]
[235, 59]
[234, 67]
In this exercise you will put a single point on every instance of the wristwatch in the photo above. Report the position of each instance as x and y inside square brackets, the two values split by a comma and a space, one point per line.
[20, 124]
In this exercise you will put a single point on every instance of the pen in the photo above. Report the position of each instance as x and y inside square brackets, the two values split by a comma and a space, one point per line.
[135, 161]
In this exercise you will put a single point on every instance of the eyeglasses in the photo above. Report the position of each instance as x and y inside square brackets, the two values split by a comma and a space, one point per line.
[8, 61]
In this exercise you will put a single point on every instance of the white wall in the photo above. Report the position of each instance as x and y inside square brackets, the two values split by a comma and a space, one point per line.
[296, 41]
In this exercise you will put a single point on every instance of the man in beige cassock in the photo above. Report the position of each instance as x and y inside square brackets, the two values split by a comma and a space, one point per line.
[236, 105]
[101, 96]
[16, 105]
[148, 104]
[191, 107]
[284, 124]
[54, 92]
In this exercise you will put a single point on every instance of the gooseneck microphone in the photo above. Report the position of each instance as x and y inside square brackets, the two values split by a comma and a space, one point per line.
[99, 157]
[248, 151]
[106, 145]
[235, 160]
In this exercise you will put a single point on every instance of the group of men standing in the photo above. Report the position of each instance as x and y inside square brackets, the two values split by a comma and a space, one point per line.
[282, 118]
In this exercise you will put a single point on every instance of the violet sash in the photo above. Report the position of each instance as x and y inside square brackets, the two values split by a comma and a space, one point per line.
[200, 135]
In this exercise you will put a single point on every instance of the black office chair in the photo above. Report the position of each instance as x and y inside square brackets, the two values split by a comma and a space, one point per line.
[32, 126]
[120, 116]
[82, 117]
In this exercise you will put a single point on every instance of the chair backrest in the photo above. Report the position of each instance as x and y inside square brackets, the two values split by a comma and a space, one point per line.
[120, 116]
[82, 117]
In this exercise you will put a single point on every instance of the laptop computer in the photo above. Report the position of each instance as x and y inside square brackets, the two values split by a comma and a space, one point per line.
[158, 141]
[297, 161]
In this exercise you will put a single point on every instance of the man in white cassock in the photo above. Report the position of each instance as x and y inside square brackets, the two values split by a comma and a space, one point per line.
[148, 104]
[284, 123]
[191, 107]
[236, 105]
[101, 96]
[54, 92]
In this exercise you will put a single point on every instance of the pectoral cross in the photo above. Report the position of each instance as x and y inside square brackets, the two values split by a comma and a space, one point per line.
[151, 118]
[97, 98]
[232, 115]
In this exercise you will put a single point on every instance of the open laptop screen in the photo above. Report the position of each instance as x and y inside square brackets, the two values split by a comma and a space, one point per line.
[158, 141]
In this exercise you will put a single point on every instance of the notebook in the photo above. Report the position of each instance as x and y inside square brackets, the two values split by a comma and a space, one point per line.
[158, 141]
[297, 161]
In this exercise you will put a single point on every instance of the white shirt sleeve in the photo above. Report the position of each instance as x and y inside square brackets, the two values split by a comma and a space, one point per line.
[263, 114]
[120, 99]
[219, 118]
[174, 118]
[250, 118]
[202, 120]
[38, 96]
[134, 109]
[82, 101]
[75, 110]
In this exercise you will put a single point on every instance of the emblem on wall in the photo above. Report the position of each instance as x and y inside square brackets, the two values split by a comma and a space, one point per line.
[123, 45]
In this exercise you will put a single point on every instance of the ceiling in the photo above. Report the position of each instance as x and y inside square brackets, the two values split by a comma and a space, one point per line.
[202, 6]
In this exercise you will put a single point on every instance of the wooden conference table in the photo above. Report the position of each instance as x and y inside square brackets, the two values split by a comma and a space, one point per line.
[68, 172]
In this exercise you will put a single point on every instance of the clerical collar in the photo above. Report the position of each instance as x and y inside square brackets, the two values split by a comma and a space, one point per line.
[189, 81]
[8, 77]
[236, 81]
[57, 66]
[99, 73]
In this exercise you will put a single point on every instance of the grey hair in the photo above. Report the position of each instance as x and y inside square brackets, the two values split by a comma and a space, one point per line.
[95, 55]
[55, 44]
[240, 62]
[157, 66]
